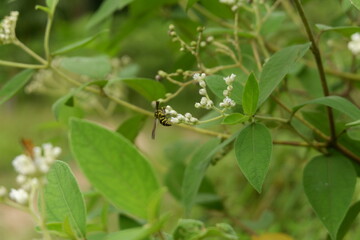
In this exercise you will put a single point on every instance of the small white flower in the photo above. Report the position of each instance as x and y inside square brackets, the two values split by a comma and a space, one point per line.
[229, 88]
[210, 39]
[24, 165]
[202, 44]
[225, 93]
[202, 91]
[21, 179]
[7, 28]
[180, 117]
[193, 120]
[230, 79]
[174, 120]
[196, 76]
[3, 191]
[203, 101]
[20, 196]
[173, 113]
[197, 105]
[354, 44]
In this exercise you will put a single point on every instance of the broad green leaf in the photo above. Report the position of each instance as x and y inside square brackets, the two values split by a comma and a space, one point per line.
[341, 104]
[356, 3]
[253, 148]
[113, 166]
[107, 8]
[190, 3]
[63, 199]
[217, 85]
[329, 184]
[196, 169]
[149, 88]
[96, 67]
[131, 127]
[14, 85]
[273, 23]
[276, 68]
[346, 31]
[348, 220]
[77, 44]
[235, 118]
[250, 95]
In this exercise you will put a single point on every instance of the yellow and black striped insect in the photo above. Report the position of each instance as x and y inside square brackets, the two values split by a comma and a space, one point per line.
[163, 119]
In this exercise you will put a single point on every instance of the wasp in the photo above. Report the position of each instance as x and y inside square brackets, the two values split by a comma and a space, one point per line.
[163, 119]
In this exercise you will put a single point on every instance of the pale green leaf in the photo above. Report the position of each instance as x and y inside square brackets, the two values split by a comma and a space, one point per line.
[356, 3]
[63, 199]
[131, 127]
[329, 184]
[114, 167]
[276, 68]
[253, 148]
[96, 67]
[346, 31]
[235, 118]
[14, 85]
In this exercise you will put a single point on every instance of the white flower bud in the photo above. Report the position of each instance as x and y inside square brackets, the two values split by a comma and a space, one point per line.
[24, 165]
[202, 91]
[193, 120]
[203, 101]
[174, 120]
[188, 115]
[225, 93]
[173, 113]
[210, 39]
[202, 44]
[3, 191]
[20, 196]
[229, 88]
[21, 179]
[202, 83]
[196, 76]
[197, 105]
[354, 44]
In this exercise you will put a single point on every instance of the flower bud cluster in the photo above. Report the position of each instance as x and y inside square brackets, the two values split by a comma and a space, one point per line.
[30, 170]
[176, 118]
[205, 101]
[7, 28]
[354, 44]
[227, 101]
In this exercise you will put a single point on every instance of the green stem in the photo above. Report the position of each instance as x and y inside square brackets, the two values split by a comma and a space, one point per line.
[21, 65]
[47, 37]
[30, 52]
[211, 119]
[317, 55]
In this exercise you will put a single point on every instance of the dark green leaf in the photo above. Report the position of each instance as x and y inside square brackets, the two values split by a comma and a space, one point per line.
[217, 85]
[276, 68]
[250, 95]
[149, 88]
[235, 118]
[96, 67]
[341, 104]
[77, 44]
[107, 8]
[253, 148]
[131, 127]
[346, 31]
[329, 184]
[63, 199]
[190, 3]
[14, 85]
[348, 220]
[114, 167]
[354, 133]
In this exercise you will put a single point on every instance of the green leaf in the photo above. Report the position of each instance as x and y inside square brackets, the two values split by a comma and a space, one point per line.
[348, 220]
[190, 3]
[250, 95]
[77, 44]
[196, 169]
[14, 85]
[131, 127]
[341, 104]
[107, 8]
[354, 133]
[355, 123]
[113, 166]
[356, 3]
[253, 148]
[63, 198]
[346, 31]
[64, 109]
[149, 88]
[329, 184]
[235, 118]
[276, 68]
[95, 67]
[217, 85]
